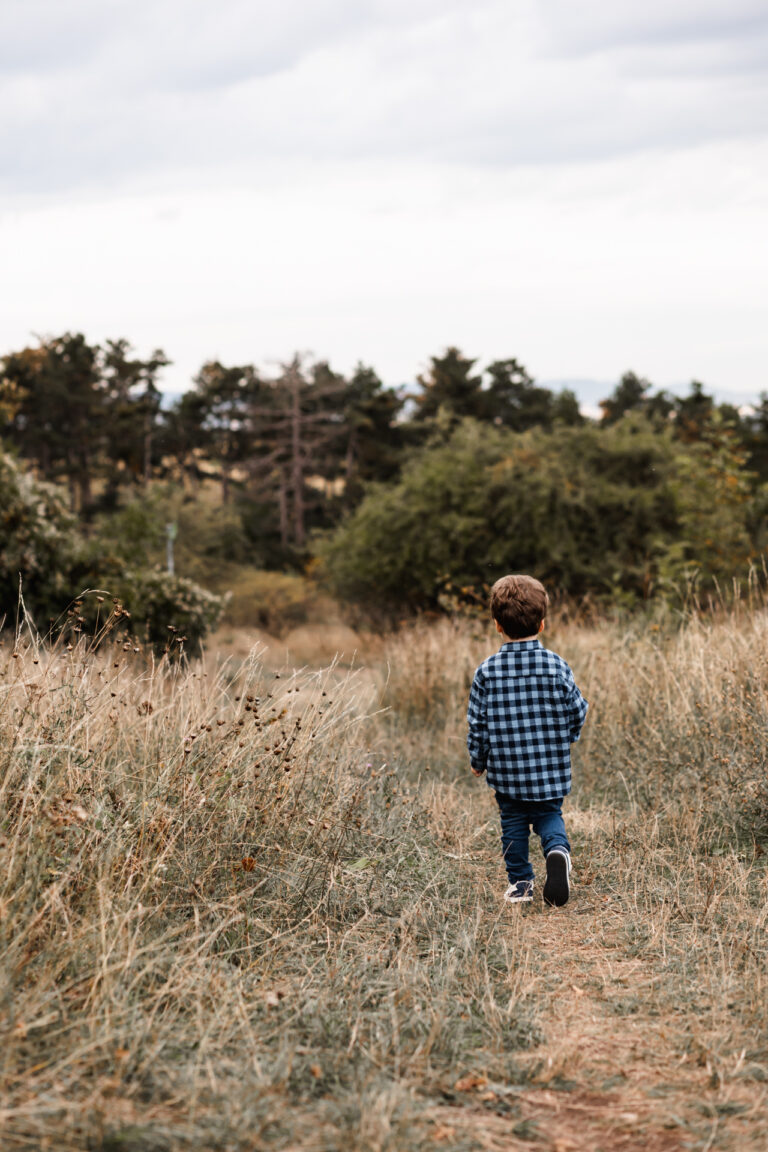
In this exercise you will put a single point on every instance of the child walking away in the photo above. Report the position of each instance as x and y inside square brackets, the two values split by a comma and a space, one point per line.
[524, 713]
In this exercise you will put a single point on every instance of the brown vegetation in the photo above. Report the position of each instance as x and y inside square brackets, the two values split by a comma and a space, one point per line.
[251, 908]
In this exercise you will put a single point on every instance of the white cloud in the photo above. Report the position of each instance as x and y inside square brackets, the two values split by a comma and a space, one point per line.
[588, 273]
[578, 185]
[592, 26]
[142, 90]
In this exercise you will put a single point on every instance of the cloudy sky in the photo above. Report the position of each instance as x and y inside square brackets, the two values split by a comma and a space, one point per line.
[581, 185]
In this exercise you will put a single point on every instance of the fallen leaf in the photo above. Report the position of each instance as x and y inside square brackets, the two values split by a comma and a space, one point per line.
[470, 1081]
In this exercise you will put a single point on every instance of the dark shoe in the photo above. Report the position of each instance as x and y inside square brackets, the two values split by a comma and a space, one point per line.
[557, 889]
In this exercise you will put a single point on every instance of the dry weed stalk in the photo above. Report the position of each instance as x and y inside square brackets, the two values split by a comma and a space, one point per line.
[234, 913]
[213, 891]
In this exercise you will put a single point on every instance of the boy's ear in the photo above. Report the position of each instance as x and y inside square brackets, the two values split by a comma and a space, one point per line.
[541, 626]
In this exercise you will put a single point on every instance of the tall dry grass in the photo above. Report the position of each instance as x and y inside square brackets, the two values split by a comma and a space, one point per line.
[244, 909]
[679, 718]
[216, 898]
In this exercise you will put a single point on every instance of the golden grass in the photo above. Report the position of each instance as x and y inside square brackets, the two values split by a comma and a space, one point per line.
[243, 910]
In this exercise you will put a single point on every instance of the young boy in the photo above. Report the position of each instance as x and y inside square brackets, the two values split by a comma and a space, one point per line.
[524, 713]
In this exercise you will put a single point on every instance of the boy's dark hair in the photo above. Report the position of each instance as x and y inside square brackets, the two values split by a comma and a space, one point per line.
[519, 604]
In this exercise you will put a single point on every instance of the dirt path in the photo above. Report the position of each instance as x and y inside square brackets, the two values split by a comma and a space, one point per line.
[617, 1071]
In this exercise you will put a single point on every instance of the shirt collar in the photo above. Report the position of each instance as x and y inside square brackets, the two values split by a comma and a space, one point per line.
[525, 645]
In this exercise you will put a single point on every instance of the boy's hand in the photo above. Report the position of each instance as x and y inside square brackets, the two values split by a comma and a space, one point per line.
[477, 772]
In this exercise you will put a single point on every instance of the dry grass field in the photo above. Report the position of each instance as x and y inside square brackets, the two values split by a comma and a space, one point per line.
[256, 903]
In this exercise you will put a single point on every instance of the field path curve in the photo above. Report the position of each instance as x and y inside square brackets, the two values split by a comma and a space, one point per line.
[625, 1063]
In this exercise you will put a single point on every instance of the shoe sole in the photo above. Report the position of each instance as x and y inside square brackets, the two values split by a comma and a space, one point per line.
[519, 899]
[557, 889]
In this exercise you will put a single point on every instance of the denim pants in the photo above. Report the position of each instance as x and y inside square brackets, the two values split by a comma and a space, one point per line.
[517, 819]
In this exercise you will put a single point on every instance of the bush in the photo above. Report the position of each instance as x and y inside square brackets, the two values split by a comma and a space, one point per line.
[274, 601]
[40, 545]
[604, 513]
[170, 613]
[582, 508]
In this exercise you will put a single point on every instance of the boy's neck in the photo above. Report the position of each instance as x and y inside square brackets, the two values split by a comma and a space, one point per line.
[517, 639]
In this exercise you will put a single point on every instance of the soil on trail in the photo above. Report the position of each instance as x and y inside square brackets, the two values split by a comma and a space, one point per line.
[618, 1070]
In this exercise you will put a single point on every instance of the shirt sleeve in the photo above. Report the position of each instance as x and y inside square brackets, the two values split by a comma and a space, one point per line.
[576, 705]
[477, 738]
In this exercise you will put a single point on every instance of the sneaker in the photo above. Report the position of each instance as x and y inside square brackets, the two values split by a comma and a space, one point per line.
[557, 888]
[521, 892]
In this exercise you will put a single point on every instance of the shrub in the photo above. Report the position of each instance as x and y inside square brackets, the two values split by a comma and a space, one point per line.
[604, 513]
[274, 601]
[583, 509]
[39, 544]
[170, 612]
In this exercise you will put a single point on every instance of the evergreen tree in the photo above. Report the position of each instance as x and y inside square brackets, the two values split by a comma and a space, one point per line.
[449, 385]
[565, 409]
[373, 437]
[755, 437]
[629, 395]
[512, 398]
[223, 404]
[693, 413]
[76, 410]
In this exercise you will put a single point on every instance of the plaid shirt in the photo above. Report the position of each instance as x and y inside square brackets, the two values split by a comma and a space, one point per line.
[524, 713]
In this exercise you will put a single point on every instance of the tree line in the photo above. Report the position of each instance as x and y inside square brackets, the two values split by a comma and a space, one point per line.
[306, 451]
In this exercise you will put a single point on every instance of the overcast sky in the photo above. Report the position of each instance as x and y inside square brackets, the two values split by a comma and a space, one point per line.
[581, 185]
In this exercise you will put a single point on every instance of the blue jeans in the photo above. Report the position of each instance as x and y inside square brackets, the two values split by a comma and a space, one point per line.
[517, 819]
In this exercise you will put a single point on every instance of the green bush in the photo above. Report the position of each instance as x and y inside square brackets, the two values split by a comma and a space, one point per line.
[39, 544]
[595, 512]
[170, 613]
[41, 547]
[489, 501]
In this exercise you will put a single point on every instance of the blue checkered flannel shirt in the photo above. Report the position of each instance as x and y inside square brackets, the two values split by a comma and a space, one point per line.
[524, 713]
